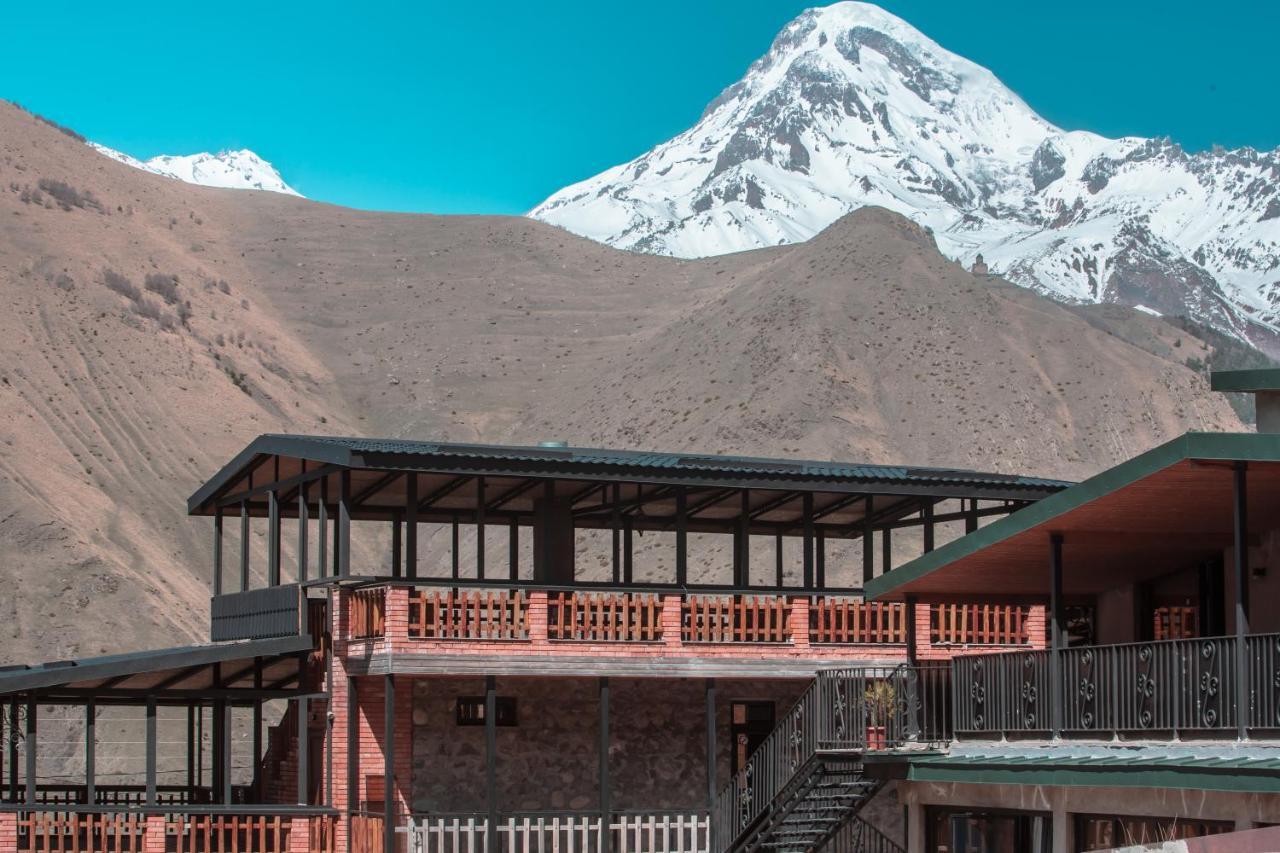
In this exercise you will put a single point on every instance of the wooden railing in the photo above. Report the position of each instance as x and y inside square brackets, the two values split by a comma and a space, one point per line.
[131, 795]
[979, 624]
[852, 620]
[570, 832]
[215, 833]
[468, 614]
[368, 613]
[45, 832]
[736, 619]
[322, 832]
[604, 616]
[366, 834]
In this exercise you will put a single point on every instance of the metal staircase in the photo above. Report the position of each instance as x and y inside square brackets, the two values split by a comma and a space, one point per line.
[804, 785]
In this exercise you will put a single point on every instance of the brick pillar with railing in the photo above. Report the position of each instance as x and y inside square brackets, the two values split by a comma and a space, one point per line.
[395, 618]
[154, 840]
[1038, 626]
[8, 831]
[336, 735]
[673, 620]
[922, 624]
[299, 835]
[798, 615]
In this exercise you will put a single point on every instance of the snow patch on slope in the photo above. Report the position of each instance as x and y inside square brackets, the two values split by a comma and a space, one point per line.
[241, 170]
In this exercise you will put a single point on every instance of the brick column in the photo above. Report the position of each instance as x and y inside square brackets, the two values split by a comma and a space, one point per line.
[924, 633]
[672, 620]
[396, 618]
[1038, 626]
[154, 839]
[538, 618]
[299, 835]
[799, 621]
[8, 831]
[336, 734]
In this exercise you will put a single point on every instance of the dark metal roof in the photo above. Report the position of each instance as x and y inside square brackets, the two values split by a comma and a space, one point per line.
[142, 670]
[650, 466]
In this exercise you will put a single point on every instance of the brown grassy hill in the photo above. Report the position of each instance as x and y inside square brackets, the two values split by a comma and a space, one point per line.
[152, 328]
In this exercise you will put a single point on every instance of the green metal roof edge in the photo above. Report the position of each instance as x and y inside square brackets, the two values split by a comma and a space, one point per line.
[1191, 445]
[1234, 778]
[1257, 379]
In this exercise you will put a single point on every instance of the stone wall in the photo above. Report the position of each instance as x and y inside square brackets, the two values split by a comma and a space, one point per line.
[550, 760]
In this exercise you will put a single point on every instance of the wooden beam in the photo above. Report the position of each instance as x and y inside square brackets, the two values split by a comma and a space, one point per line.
[441, 492]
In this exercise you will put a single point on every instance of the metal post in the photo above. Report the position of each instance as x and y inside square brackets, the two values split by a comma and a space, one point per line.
[273, 538]
[13, 750]
[606, 805]
[820, 546]
[457, 560]
[151, 751]
[513, 548]
[217, 551]
[389, 763]
[225, 750]
[480, 527]
[256, 739]
[886, 550]
[32, 747]
[1055, 635]
[304, 519]
[868, 547]
[615, 525]
[742, 565]
[709, 687]
[215, 751]
[777, 554]
[322, 531]
[191, 746]
[927, 515]
[304, 752]
[353, 746]
[628, 552]
[909, 605]
[343, 531]
[1240, 510]
[682, 536]
[90, 753]
[244, 545]
[411, 527]
[971, 517]
[491, 760]
[397, 547]
[808, 540]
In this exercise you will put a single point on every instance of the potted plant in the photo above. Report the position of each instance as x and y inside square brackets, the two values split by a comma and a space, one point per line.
[881, 699]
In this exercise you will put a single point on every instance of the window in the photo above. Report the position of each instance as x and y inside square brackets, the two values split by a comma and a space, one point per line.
[471, 711]
[966, 831]
[1104, 832]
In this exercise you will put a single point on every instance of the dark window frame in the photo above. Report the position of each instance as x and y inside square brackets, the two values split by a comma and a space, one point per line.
[469, 711]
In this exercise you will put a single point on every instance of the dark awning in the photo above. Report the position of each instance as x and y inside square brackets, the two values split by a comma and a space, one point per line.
[222, 670]
[1157, 513]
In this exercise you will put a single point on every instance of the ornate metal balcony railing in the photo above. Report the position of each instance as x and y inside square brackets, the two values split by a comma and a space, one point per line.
[1166, 686]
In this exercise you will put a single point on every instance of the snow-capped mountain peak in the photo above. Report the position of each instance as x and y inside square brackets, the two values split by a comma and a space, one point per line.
[852, 106]
[241, 169]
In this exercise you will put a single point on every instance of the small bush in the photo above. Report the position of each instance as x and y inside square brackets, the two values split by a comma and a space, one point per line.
[166, 286]
[121, 285]
[64, 282]
[223, 286]
[68, 196]
[144, 307]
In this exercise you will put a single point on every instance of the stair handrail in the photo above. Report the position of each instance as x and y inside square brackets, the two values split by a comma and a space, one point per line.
[837, 711]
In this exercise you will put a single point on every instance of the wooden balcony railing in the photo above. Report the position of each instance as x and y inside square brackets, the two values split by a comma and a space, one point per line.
[368, 613]
[44, 832]
[475, 614]
[132, 831]
[604, 616]
[579, 832]
[214, 833]
[852, 620]
[736, 619]
[979, 624]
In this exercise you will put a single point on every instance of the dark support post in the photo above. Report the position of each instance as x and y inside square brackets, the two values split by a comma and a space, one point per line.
[244, 545]
[273, 538]
[682, 536]
[909, 605]
[411, 527]
[480, 529]
[304, 753]
[971, 517]
[868, 547]
[457, 562]
[322, 533]
[91, 753]
[606, 806]
[710, 688]
[191, 746]
[224, 750]
[777, 554]
[215, 751]
[742, 542]
[151, 751]
[389, 763]
[886, 550]
[513, 547]
[615, 525]
[217, 551]
[256, 741]
[1055, 635]
[32, 746]
[628, 553]
[491, 760]
[343, 532]
[820, 546]
[1241, 573]
[12, 747]
[304, 519]
[927, 515]
[397, 547]
[808, 540]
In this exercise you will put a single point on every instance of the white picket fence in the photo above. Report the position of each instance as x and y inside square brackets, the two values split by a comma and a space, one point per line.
[562, 833]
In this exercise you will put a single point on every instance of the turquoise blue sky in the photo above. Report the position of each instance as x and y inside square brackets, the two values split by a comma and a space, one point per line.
[488, 108]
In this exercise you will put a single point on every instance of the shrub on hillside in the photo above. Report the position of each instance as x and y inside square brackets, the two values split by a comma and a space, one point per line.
[68, 196]
[166, 286]
[120, 284]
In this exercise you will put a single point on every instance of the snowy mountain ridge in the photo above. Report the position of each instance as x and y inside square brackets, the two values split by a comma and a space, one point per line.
[852, 106]
[241, 169]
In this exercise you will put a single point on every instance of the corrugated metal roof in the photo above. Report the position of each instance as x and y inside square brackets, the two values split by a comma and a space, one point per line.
[745, 465]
